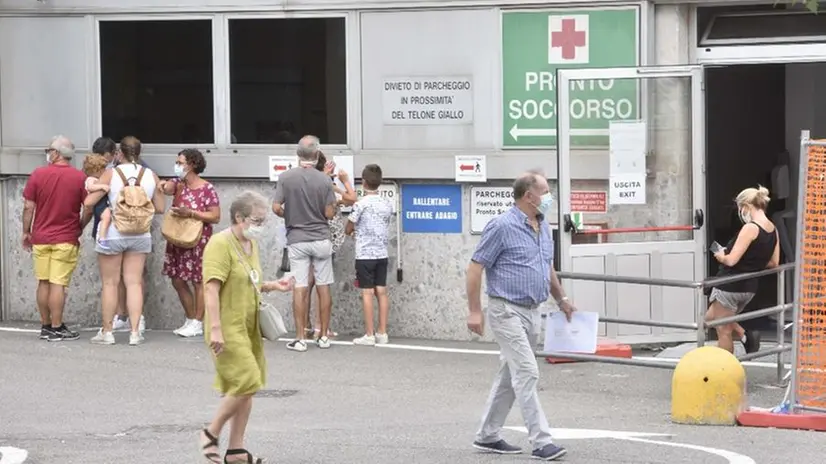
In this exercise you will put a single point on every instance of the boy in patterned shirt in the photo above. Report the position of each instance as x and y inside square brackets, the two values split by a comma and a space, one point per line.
[370, 220]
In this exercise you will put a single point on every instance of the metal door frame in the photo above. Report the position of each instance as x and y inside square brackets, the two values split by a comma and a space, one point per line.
[698, 145]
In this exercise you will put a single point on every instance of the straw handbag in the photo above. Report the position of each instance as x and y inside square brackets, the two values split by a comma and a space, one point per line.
[180, 231]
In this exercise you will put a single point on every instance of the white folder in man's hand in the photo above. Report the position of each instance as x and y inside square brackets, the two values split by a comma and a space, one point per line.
[577, 336]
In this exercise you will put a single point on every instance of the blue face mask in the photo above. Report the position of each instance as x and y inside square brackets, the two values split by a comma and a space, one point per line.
[545, 204]
[179, 171]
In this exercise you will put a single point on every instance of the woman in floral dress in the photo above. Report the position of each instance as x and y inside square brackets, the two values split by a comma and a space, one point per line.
[194, 198]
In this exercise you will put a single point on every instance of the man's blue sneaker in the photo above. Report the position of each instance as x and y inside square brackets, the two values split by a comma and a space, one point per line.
[498, 447]
[549, 452]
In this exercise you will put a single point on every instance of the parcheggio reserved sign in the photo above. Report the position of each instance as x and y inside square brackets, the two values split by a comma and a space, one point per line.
[424, 101]
[486, 203]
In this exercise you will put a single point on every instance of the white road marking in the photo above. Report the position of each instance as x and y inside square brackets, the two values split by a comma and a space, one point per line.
[9, 455]
[731, 456]
[585, 434]
[440, 349]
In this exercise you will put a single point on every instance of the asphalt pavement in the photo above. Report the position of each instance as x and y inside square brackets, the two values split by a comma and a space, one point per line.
[413, 402]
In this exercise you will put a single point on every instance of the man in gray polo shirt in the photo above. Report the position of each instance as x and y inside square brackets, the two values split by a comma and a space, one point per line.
[304, 198]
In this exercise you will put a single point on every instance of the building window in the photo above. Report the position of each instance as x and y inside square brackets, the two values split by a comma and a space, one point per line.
[156, 81]
[287, 79]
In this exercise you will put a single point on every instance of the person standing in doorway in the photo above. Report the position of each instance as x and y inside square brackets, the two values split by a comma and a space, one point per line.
[516, 253]
[304, 197]
[193, 198]
[756, 247]
[52, 224]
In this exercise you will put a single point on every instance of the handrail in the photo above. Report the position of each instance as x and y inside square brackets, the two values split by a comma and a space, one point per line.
[701, 325]
[570, 226]
[634, 230]
[717, 281]
[712, 282]
[627, 280]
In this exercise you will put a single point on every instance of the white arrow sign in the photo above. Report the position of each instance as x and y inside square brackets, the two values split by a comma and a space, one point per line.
[516, 132]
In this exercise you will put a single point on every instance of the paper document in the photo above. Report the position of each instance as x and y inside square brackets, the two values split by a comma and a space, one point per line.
[577, 336]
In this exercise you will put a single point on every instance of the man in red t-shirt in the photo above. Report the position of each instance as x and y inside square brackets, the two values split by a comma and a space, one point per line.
[54, 196]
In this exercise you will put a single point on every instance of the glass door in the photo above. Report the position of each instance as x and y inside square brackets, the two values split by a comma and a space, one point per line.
[631, 188]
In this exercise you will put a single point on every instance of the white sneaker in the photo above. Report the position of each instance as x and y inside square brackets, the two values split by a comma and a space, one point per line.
[382, 339]
[323, 342]
[183, 327]
[103, 338]
[194, 329]
[135, 338]
[297, 345]
[367, 340]
[120, 325]
[123, 325]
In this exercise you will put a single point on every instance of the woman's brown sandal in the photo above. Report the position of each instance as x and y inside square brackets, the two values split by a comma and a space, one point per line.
[212, 457]
[241, 451]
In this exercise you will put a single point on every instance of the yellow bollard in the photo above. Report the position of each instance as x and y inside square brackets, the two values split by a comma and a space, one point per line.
[708, 388]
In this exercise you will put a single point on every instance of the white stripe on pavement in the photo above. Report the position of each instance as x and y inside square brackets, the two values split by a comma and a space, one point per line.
[441, 349]
[9, 455]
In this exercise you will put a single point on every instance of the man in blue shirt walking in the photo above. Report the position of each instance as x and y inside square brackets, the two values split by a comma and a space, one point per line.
[516, 252]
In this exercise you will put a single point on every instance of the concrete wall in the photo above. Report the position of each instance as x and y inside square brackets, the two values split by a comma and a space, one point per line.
[429, 303]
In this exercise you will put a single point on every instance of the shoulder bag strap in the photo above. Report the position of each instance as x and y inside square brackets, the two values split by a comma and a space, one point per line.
[122, 177]
[179, 190]
[140, 176]
[246, 265]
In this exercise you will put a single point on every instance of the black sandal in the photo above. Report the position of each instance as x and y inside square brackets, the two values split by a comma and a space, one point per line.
[214, 458]
[239, 451]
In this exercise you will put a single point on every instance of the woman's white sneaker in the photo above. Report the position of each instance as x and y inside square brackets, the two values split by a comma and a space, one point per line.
[135, 338]
[103, 338]
[382, 339]
[183, 327]
[366, 340]
[194, 329]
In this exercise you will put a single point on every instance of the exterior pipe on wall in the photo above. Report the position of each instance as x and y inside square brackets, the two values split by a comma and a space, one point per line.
[399, 272]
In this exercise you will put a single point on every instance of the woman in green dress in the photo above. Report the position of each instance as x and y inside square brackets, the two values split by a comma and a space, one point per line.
[232, 271]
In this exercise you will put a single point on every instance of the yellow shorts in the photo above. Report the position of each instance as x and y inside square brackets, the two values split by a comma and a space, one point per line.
[55, 263]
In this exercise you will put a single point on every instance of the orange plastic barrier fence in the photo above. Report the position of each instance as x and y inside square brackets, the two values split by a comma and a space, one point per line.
[811, 359]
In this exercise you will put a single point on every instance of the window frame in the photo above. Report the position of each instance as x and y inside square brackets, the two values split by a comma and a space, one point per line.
[222, 143]
[98, 91]
[255, 147]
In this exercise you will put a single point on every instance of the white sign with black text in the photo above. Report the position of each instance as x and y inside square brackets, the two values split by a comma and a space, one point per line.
[424, 101]
[471, 169]
[486, 203]
[628, 141]
[627, 189]
[388, 191]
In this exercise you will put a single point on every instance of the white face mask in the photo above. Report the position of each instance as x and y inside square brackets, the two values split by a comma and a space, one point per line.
[180, 171]
[49, 158]
[254, 232]
[547, 201]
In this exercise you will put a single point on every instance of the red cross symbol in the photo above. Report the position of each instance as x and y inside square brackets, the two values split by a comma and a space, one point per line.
[568, 39]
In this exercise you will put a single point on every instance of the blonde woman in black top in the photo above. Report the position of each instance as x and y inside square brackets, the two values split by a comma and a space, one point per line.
[755, 248]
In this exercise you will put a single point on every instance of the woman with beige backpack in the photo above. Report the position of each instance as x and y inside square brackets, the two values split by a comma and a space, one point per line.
[134, 199]
[187, 228]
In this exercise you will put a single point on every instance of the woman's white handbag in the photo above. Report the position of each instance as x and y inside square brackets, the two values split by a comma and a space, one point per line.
[269, 318]
[272, 324]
